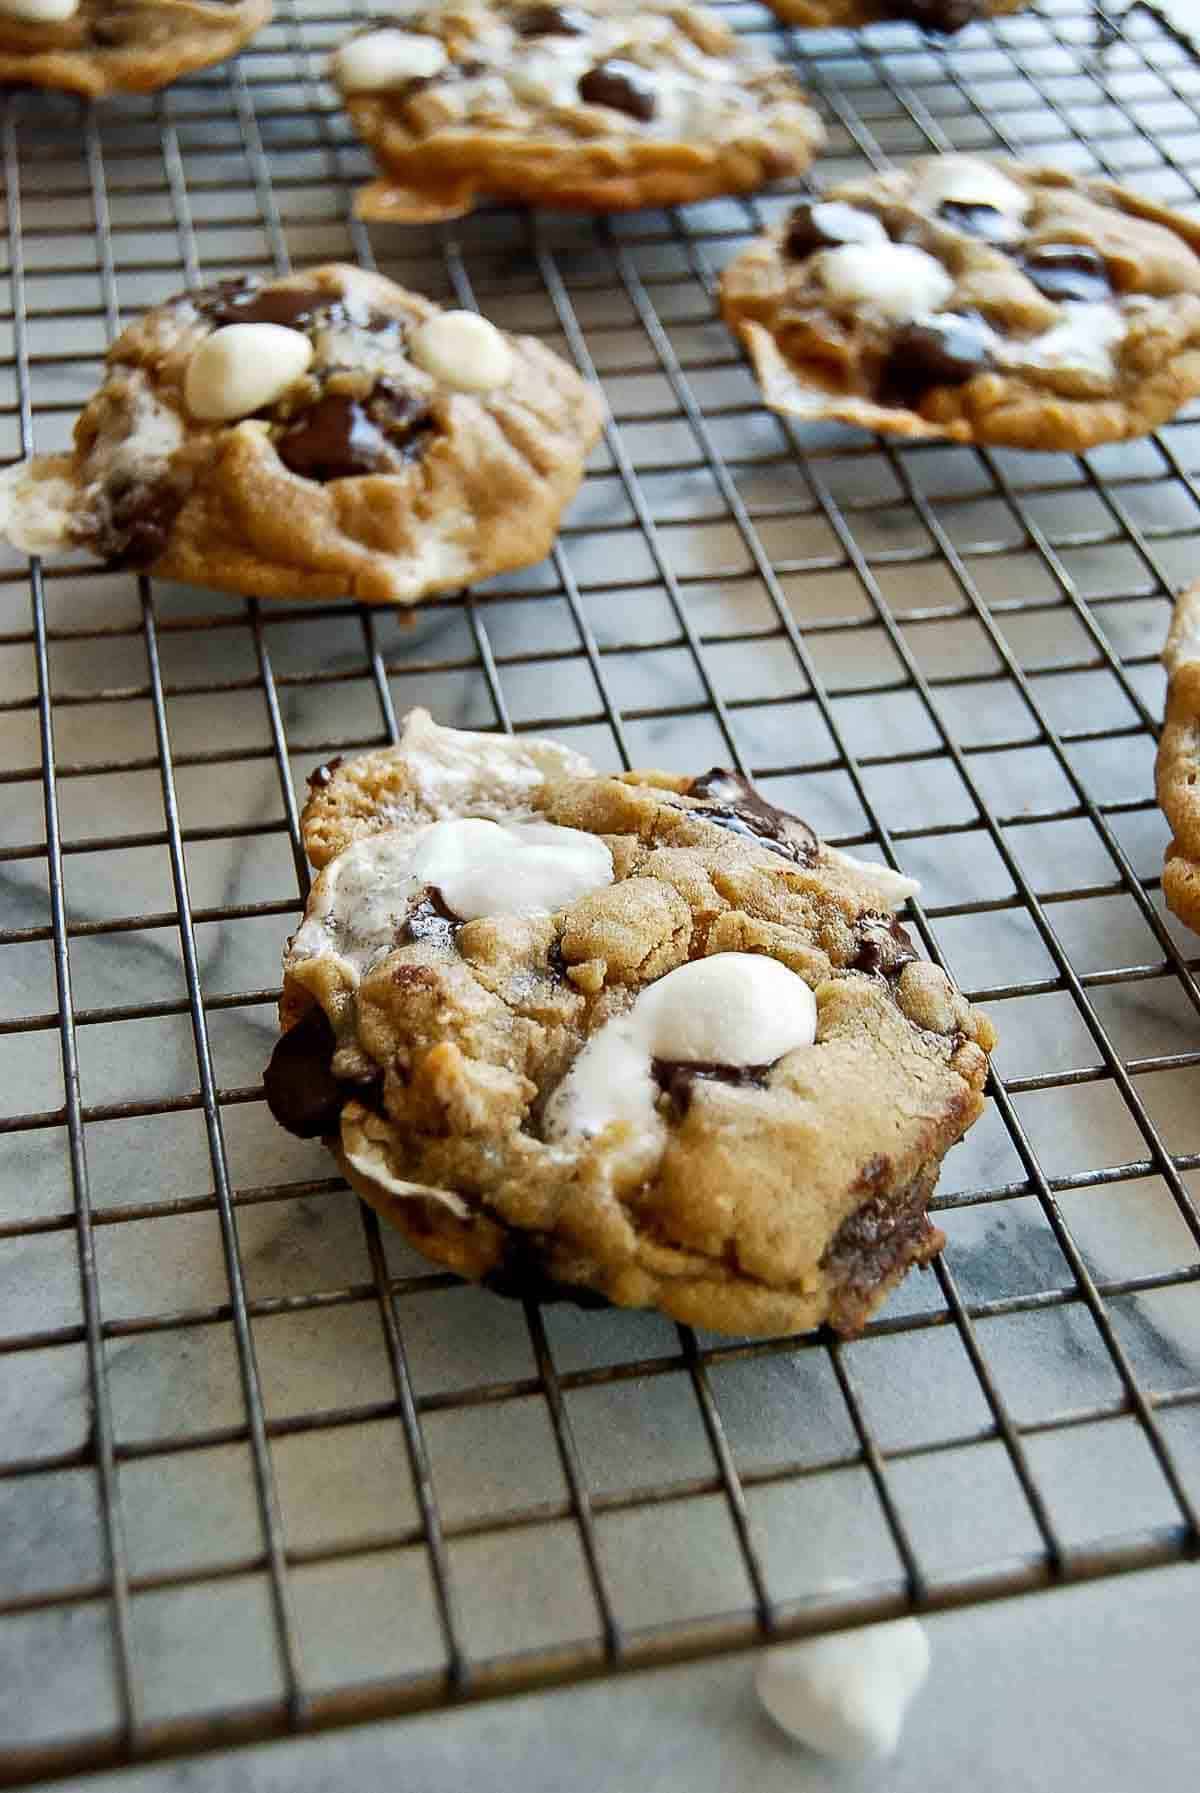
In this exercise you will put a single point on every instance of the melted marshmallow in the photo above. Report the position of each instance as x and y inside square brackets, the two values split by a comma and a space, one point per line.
[1084, 337]
[897, 280]
[843, 223]
[242, 367]
[892, 888]
[967, 180]
[458, 771]
[846, 1695]
[381, 59]
[730, 1009]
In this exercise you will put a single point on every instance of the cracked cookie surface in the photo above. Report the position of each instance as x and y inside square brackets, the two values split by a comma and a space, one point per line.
[123, 46]
[324, 435]
[643, 1039]
[604, 105]
[985, 301]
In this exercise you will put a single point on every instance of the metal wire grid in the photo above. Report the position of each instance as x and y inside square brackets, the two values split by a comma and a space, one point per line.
[253, 163]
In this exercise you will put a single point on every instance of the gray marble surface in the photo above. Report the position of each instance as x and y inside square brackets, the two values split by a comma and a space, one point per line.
[657, 589]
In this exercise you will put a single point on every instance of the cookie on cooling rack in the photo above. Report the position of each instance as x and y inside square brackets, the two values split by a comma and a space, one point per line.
[321, 436]
[941, 17]
[597, 105]
[1177, 772]
[639, 1039]
[96, 47]
[983, 301]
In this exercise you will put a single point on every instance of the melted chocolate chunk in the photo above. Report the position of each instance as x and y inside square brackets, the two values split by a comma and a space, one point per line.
[806, 232]
[678, 1080]
[736, 805]
[322, 775]
[429, 920]
[138, 520]
[551, 21]
[622, 85]
[245, 301]
[1068, 271]
[943, 16]
[302, 1092]
[985, 221]
[946, 351]
[876, 1244]
[340, 437]
[885, 950]
[521, 1276]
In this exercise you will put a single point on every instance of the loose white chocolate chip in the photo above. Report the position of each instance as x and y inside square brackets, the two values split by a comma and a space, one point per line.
[846, 1695]
[730, 1009]
[40, 12]
[966, 180]
[897, 279]
[463, 350]
[518, 868]
[241, 368]
[381, 59]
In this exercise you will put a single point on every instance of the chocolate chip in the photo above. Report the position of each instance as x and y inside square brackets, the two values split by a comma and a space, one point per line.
[323, 775]
[678, 1080]
[302, 1092]
[621, 85]
[985, 221]
[735, 804]
[943, 351]
[551, 21]
[139, 514]
[246, 302]
[429, 921]
[942, 16]
[820, 224]
[1068, 271]
[875, 1244]
[339, 437]
[885, 949]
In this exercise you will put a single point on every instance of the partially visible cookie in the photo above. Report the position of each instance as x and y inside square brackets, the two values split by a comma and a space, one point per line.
[985, 301]
[321, 436]
[1177, 772]
[941, 17]
[641, 1039]
[596, 105]
[96, 47]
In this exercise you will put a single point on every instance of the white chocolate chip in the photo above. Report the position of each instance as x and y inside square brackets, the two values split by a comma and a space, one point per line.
[515, 868]
[730, 1009]
[846, 1695]
[382, 59]
[241, 368]
[463, 350]
[842, 223]
[968, 180]
[897, 280]
[40, 12]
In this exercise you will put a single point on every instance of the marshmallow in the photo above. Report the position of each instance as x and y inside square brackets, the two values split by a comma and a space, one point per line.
[967, 180]
[241, 368]
[518, 868]
[892, 888]
[40, 12]
[463, 350]
[383, 59]
[897, 279]
[846, 1695]
[843, 223]
[1084, 338]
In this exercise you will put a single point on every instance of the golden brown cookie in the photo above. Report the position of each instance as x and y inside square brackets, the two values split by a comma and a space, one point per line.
[596, 106]
[941, 17]
[639, 1039]
[326, 435]
[96, 47]
[1177, 772]
[984, 301]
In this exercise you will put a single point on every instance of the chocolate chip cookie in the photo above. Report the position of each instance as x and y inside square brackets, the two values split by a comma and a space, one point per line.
[1177, 773]
[322, 436]
[985, 301]
[640, 1039]
[599, 106]
[96, 47]
[942, 18]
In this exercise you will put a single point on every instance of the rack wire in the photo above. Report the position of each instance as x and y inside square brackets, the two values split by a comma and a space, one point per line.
[263, 1471]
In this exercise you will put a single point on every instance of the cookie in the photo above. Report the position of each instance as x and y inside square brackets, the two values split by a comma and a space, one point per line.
[977, 300]
[322, 436]
[942, 18]
[1177, 771]
[595, 106]
[641, 1039]
[96, 47]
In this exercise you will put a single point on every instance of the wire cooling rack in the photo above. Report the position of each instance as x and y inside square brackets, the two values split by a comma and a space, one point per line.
[261, 1469]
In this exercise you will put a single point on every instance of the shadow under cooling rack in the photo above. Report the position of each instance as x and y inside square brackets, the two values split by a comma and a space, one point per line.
[261, 1469]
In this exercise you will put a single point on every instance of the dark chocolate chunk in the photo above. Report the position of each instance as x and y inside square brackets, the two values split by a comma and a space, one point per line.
[875, 1245]
[945, 351]
[321, 775]
[943, 16]
[138, 518]
[622, 85]
[735, 804]
[522, 1277]
[1068, 271]
[245, 301]
[886, 948]
[302, 1092]
[551, 21]
[678, 1080]
[818, 224]
[429, 920]
[339, 437]
[985, 221]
